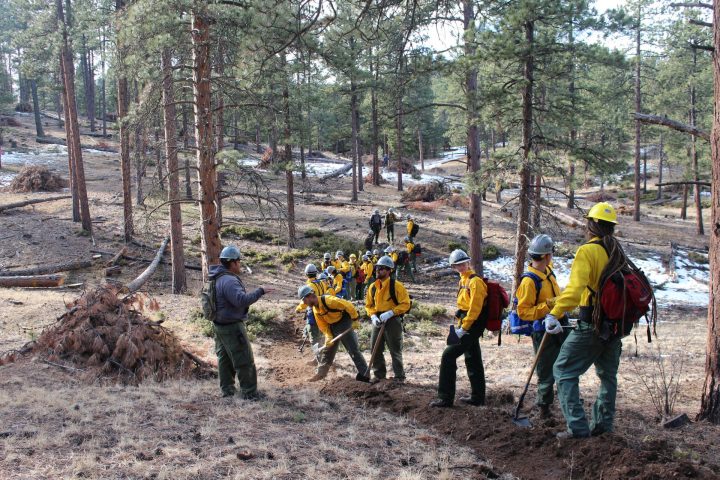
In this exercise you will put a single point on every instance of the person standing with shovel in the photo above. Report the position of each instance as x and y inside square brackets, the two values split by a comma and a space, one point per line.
[535, 297]
[337, 319]
[386, 301]
[464, 339]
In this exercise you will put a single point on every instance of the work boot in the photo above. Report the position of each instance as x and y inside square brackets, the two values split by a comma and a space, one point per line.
[469, 400]
[545, 411]
[441, 403]
[398, 379]
[317, 377]
[254, 397]
[228, 394]
[597, 431]
[375, 380]
[567, 435]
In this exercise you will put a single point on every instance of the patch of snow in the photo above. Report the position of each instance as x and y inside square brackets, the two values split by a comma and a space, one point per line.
[6, 178]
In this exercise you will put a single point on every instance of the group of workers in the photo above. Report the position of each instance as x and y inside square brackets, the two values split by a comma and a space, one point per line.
[568, 353]
[405, 259]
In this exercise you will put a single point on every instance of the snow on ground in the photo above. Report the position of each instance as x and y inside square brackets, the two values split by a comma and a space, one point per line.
[689, 288]
[51, 156]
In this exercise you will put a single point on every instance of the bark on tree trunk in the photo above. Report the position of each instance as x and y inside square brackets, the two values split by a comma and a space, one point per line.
[71, 113]
[693, 121]
[399, 124]
[71, 165]
[33, 281]
[177, 253]
[420, 150]
[36, 108]
[573, 130]
[473, 147]
[638, 108]
[354, 139]
[287, 157]
[521, 242]
[683, 206]
[158, 161]
[220, 111]
[207, 177]
[374, 120]
[710, 402]
[123, 102]
[660, 167]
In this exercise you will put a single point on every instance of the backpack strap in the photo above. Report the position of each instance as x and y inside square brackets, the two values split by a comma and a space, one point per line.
[538, 284]
[466, 286]
[393, 296]
[324, 302]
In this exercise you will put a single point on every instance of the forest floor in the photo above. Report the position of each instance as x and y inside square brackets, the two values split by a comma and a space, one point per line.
[57, 424]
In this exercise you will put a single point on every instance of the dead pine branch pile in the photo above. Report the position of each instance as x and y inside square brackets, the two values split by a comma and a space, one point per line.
[108, 337]
[37, 179]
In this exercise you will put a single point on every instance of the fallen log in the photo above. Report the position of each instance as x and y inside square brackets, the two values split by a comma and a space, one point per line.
[136, 284]
[328, 203]
[59, 141]
[45, 269]
[145, 260]
[117, 257]
[566, 219]
[33, 281]
[672, 124]
[337, 173]
[32, 202]
[114, 270]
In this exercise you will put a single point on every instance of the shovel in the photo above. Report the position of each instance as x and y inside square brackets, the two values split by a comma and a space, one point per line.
[517, 419]
[366, 376]
[318, 350]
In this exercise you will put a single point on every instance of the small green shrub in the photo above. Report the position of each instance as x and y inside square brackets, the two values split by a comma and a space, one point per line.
[196, 240]
[699, 258]
[331, 242]
[203, 324]
[289, 258]
[426, 328]
[258, 322]
[314, 233]
[622, 195]
[254, 234]
[490, 252]
[420, 311]
[455, 245]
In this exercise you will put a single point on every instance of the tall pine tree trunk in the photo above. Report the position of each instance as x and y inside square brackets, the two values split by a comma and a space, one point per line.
[710, 402]
[71, 118]
[177, 253]
[573, 129]
[374, 120]
[123, 99]
[287, 157]
[36, 108]
[207, 177]
[660, 167]
[638, 108]
[357, 168]
[693, 121]
[70, 145]
[473, 146]
[521, 241]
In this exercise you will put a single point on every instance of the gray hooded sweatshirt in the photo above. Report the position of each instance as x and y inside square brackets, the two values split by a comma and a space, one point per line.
[233, 302]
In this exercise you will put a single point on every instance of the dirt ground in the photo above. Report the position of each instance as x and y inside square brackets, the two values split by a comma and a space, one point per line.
[56, 425]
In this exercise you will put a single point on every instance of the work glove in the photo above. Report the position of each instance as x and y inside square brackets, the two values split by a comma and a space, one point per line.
[552, 325]
[459, 331]
[550, 302]
[384, 317]
[356, 324]
[306, 331]
[375, 321]
[328, 342]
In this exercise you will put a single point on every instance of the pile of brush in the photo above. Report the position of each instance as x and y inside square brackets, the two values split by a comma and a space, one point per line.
[107, 336]
[37, 179]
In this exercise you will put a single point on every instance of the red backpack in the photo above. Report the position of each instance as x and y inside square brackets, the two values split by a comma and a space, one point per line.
[496, 302]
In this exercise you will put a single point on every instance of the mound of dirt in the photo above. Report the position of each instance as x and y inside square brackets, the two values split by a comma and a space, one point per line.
[107, 336]
[37, 179]
[527, 453]
[425, 192]
[600, 197]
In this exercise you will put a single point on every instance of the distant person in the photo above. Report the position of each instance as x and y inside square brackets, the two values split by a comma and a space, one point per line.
[234, 352]
[390, 219]
[368, 243]
[386, 160]
[375, 226]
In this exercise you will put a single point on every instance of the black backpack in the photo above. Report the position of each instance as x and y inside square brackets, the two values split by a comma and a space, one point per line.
[403, 258]
[208, 297]
[375, 220]
[417, 250]
[414, 230]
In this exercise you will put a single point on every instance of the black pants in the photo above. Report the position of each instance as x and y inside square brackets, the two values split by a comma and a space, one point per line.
[376, 234]
[470, 347]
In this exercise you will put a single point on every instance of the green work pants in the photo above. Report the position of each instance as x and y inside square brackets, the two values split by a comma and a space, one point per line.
[350, 343]
[544, 369]
[393, 337]
[390, 232]
[470, 347]
[360, 291]
[582, 349]
[351, 287]
[408, 271]
[235, 356]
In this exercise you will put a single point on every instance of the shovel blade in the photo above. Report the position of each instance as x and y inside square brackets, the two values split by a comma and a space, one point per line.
[522, 422]
[361, 377]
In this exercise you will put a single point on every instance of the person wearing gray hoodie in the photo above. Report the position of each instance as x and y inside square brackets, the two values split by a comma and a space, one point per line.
[232, 346]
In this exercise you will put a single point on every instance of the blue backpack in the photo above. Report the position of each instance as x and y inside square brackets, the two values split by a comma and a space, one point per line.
[518, 326]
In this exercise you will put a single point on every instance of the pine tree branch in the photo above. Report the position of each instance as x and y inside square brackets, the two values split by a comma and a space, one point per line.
[673, 124]
[692, 5]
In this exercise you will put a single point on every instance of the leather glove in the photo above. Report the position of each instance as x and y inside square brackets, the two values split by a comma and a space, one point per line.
[375, 321]
[356, 324]
[550, 302]
[328, 342]
[384, 317]
[552, 325]
[459, 331]
[307, 330]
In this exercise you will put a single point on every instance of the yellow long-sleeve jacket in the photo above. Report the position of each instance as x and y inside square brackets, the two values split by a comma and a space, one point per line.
[337, 264]
[368, 268]
[318, 286]
[527, 309]
[410, 225]
[471, 298]
[337, 284]
[394, 256]
[590, 260]
[378, 300]
[324, 264]
[374, 259]
[325, 317]
[410, 247]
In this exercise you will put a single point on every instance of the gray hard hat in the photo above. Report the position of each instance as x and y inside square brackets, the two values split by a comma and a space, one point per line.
[389, 249]
[458, 256]
[330, 270]
[304, 291]
[370, 232]
[376, 252]
[339, 253]
[311, 269]
[231, 252]
[368, 253]
[407, 239]
[322, 276]
[541, 245]
[327, 256]
[376, 212]
[385, 261]
[365, 258]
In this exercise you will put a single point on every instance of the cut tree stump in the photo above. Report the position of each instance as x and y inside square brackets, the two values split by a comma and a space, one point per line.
[117, 257]
[114, 270]
[32, 202]
[136, 284]
[45, 269]
[33, 281]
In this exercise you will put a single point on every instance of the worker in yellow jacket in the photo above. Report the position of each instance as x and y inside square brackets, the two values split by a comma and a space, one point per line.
[326, 262]
[386, 301]
[589, 343]
[351, 282]
[471, 320]
[336, 289]
[334, 316]
[311, 330]
[533, 304]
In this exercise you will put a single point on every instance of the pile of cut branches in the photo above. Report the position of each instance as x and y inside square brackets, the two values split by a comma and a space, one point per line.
[37, 179]
[424, 192]
[106, 336]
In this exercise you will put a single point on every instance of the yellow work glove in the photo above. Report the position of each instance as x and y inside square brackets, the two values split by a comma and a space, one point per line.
[550, 302]
[356, 324]
[328, 342]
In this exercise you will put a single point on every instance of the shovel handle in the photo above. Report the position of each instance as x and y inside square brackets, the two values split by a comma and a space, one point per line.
[376, 348]
[530, 375]
[342, 334]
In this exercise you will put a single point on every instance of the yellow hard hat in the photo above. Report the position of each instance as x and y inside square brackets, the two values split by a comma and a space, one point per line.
[602, 211]
[352, 255]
